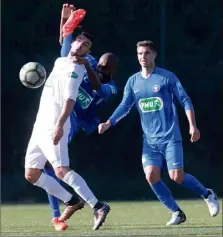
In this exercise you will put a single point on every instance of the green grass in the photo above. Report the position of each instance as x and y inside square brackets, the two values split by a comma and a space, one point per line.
[125, 219]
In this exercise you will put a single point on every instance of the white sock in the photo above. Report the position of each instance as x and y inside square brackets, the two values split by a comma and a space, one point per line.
[80, 187]
[53, 187]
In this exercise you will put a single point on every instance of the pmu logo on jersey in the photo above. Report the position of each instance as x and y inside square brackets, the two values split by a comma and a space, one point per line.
[83, 98]
[156, 88]
[150, 104]
[73, 75]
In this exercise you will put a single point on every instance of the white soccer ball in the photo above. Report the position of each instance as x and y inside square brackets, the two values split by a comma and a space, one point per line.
[32, 75]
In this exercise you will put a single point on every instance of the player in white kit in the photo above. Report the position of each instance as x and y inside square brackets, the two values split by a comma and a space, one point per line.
[49, 139]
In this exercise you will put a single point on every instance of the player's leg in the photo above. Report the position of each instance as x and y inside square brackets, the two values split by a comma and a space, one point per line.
[34, 163]
[59, 158]
[54, 202]
[174, 157]
[80, 186]
[152, 160]
[50, 185]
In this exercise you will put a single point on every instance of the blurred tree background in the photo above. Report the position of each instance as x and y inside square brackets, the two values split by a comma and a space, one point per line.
[188, 35]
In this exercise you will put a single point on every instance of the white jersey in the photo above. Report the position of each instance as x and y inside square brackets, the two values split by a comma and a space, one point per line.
[62, 84]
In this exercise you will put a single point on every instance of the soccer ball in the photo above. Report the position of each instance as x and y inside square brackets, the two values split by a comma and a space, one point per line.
[32, 75]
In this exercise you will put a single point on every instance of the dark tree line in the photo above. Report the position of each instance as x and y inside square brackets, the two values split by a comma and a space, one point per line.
[188, 35]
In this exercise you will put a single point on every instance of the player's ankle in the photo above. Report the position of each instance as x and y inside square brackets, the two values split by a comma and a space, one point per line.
[56, 213]
[207, 194]
[179, 210]
[73, 201]
[98, 205]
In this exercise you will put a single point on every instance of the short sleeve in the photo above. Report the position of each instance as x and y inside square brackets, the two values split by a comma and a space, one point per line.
[73, 81]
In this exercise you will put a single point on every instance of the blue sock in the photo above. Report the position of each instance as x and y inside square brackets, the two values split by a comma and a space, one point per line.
[194, 185]
[54, 202]
[164, 195]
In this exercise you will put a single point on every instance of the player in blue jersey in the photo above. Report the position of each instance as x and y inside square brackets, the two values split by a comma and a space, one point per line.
[98, 76]
[152, 91]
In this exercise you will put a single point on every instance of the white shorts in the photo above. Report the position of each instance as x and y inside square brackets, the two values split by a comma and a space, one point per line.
[41, 148]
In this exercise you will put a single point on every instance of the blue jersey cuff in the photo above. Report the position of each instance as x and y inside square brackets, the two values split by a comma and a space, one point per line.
[189, 107]
[112, 120]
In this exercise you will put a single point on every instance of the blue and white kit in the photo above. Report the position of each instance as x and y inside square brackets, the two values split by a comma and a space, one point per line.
[84, 115]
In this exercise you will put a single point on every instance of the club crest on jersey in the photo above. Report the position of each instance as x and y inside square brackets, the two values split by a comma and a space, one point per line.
[73, 75]
[156, 88]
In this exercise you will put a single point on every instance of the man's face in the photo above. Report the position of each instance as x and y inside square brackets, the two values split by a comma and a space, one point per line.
[81, 46]
[146, 56]
[105, 67]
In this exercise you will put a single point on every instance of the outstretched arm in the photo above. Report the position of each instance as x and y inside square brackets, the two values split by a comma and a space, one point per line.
[66, 41]
[122, 110]
[94, 80]
[65, 13]
[90, 64]
[62, 22]
[107, 90]
[66, 46]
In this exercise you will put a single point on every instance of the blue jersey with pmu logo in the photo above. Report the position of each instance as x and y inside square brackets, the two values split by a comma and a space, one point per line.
[84, 116]
[154, 100]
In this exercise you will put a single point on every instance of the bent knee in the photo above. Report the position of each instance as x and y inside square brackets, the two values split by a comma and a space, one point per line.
[177, 175]
[32, 175]
[60, 172]
[152, 174]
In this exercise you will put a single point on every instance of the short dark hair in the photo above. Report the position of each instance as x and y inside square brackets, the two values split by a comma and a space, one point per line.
[146, 43]
[88, 36]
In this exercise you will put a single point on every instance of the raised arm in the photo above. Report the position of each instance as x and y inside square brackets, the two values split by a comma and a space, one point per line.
[66, 46]
[90, 64]
[65, 13]
[122, 110]
[94, 80]
[66, 41]
[186, 103]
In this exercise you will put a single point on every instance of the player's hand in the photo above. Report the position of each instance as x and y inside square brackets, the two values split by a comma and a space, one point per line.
[67, 10]
[80, 60]
[57, 134]
[103, 127]
[195, 134]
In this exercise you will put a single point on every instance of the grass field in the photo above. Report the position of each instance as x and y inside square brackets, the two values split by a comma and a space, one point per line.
[125, 219]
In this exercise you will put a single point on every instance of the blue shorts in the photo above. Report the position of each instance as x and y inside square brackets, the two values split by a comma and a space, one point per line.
[170, 154]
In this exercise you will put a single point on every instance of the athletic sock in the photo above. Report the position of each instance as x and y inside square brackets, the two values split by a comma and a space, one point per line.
[194, 185]
[164, 195]
[53, 187]
[80, 187]
[53, 201]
